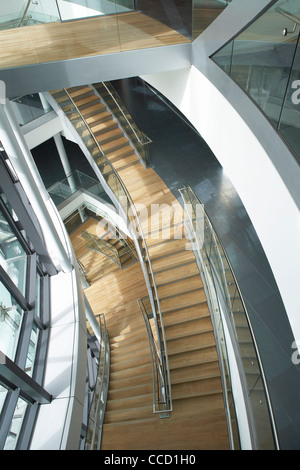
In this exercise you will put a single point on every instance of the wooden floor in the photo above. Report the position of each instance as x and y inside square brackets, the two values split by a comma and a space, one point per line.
[82, 38]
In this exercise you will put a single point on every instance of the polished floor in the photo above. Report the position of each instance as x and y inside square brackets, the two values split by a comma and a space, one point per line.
[50, 42]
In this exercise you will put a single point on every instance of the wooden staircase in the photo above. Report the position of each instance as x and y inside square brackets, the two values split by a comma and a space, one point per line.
[105, 127]
[198, 419]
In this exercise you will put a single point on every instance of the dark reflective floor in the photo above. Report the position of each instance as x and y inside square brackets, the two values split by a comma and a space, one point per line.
[179, 155]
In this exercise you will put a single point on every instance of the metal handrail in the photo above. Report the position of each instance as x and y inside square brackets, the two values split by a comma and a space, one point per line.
[147, 263]
[148, 141]
[240, 297]
[24, 14]
[102, 381]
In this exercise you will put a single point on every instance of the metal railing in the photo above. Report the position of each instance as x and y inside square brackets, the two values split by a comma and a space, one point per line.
[138, 139]
[232, 329]
[100, 390]
[127, 207]
[159, 391]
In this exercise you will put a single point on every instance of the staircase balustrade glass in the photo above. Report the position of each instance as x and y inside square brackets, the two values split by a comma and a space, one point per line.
[97, 393]
[127, 209]
[232, 327]
[160, 400]
[264, 60]
[113, 101]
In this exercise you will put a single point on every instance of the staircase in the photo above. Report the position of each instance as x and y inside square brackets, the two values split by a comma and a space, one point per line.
[104, 126]
[198, 418]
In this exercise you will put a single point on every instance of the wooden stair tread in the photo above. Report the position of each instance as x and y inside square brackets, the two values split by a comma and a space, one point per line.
[179, 286]
[178, 272]
[172, 260]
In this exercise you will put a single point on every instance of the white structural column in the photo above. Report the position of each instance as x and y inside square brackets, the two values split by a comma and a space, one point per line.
[64, 160]
[24, 165]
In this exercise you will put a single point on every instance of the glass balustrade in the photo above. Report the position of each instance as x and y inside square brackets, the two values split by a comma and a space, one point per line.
[229, 314]
[126, 208]
[65, 29]
[28, 108]
[264, 60]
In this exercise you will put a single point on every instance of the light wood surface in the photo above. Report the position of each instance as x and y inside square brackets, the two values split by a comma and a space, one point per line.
[82, 38]
[198, 418]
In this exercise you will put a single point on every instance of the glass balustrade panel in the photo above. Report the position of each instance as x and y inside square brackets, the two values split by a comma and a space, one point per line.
[289, 125]
[204, 13]
[264, 60]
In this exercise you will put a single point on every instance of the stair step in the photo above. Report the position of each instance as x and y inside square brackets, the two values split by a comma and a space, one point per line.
[166, 248]
[128, 337]
[199, 310]
[78, 91]
[115, 384]
[179, 286]
[129, 354]
[123, 374]
[84, 101]
[125, 162]
[194, 372]
[103, 126]
[175, 259]
[128, 415]
[185, 328]
[196, 388]
[108, 135]
[178, 272]
[189, 358]
[130, 391]
[119, 153]
[130, 402]
[190, 343]
[182, 300]
[141, 360]
[159, 235]
[98, 117]
[113, 144]
[96, 107]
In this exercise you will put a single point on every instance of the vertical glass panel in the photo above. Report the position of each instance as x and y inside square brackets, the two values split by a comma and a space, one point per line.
[261, 61]
[289, 125]
[32, 350]
[12, 256]
[205, 12]
[41, 11]
[16, 424]
[27, 108]
[38, 296]
[3, 393]
[71, 9]
[10, 321]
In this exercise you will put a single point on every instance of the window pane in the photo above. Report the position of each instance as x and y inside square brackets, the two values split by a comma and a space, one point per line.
[12, 256]
[3, 393]
[38, 296]
[10, 321]
[16, 425]
[32, 350]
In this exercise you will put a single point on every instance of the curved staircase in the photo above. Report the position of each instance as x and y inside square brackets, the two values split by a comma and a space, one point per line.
[198, 419]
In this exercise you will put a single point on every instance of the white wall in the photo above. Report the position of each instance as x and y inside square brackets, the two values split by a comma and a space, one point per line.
[266, 198]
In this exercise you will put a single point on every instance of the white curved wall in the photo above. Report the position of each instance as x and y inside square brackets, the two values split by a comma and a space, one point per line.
[265, 196]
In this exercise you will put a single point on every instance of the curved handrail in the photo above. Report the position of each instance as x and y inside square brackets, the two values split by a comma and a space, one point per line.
[221, 251]
[140, 238]
[148, 141]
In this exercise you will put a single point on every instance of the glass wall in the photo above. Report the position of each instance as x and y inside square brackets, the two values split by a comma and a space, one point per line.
[23, 314]
[264, 60]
